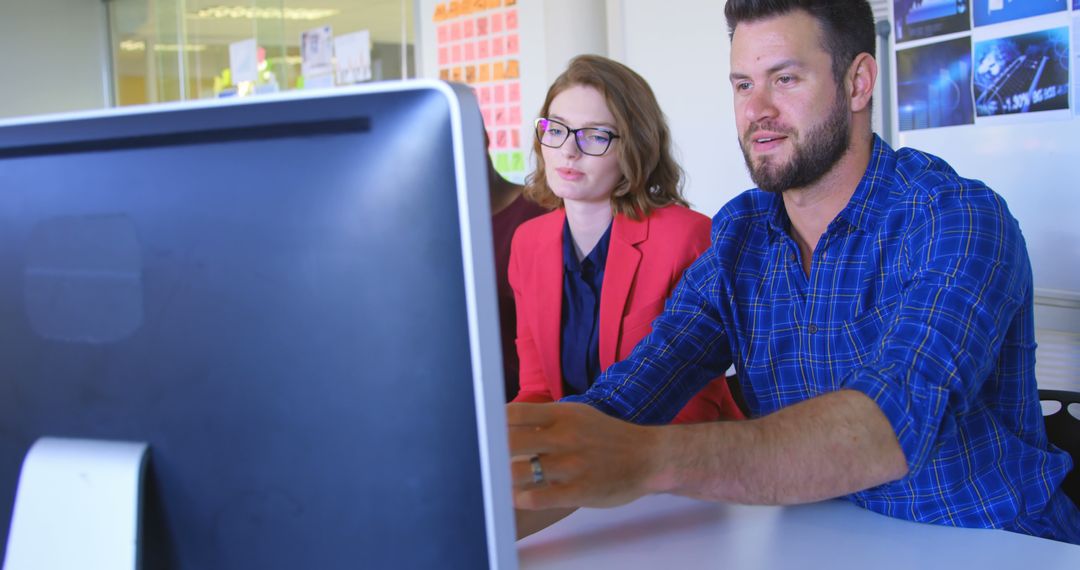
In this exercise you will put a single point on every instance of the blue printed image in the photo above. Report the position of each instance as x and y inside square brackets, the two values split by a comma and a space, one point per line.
[1022, 74]
[996, 11]
[934, 85]
[915, 19]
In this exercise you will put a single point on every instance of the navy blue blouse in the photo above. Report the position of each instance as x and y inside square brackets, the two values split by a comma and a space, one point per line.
[582, 282]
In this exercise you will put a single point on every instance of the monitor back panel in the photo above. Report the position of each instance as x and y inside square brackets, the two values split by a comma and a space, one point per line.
[272, 296]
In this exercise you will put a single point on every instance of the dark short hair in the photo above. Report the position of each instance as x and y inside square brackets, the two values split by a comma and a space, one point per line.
[847, 25]
[651, 178]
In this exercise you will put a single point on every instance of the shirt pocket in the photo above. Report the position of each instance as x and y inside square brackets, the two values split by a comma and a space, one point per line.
[859, 338]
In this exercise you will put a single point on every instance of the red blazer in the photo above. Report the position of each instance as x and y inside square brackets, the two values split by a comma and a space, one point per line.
[645, 260]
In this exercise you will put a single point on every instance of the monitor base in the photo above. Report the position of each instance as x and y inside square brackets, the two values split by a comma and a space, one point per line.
[77, 505]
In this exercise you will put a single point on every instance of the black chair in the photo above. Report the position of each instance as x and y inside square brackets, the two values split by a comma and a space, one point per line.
[1063, 429]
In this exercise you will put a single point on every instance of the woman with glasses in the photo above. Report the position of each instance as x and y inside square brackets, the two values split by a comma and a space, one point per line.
[590, 276]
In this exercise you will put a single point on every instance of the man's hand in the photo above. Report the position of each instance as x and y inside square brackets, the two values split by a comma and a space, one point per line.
[588, 459]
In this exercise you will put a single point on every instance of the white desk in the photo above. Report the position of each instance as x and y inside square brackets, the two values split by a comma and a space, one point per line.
[673, 533]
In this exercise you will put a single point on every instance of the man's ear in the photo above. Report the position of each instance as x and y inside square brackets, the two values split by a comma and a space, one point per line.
[860, 80]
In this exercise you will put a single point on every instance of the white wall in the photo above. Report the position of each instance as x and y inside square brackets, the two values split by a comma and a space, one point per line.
[55, 56]
[684, 54]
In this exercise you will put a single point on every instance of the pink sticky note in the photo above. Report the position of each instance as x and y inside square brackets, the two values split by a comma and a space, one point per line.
[469, 29]
[486, 114]
[496, 23]
[515, 115]
[512, 46]
[455, 31]
[513, 92]
[482, 26]
[501, 139]
[498, 46]
[500, 116]
[470, 51]
[511, 19]
[444, 33]
[485, 95]
[500, 94]
[455, 53]
[444, 56]
[515, 138]
[483, 50]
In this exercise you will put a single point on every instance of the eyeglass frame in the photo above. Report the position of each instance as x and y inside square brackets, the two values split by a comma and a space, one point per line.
[573, 132]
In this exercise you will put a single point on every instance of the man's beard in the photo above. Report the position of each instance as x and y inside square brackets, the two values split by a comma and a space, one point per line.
[824, 144]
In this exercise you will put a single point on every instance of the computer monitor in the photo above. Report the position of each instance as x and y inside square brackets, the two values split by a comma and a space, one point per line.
[291, 299]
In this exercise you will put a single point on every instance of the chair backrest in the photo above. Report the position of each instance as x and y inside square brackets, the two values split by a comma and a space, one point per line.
[1063, 429]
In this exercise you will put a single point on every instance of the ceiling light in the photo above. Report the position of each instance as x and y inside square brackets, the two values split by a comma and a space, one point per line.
[255, 13]
[139, 45]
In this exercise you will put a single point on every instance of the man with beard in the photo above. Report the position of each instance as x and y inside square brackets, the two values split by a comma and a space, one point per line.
[876, 305]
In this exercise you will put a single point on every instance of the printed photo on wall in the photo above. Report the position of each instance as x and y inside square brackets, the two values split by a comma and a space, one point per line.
[988, 12]
[917, 19]
[933, 85]
[1076, 56]
[1026, 73]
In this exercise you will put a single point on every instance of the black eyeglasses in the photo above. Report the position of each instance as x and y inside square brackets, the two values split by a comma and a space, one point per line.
[591, 141]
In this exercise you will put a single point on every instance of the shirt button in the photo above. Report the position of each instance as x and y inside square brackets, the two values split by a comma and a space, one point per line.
[812, 328]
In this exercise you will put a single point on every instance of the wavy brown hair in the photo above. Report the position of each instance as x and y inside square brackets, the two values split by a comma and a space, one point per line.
[650, 176]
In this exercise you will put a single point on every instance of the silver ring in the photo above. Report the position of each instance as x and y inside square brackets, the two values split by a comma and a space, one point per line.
[537, 470]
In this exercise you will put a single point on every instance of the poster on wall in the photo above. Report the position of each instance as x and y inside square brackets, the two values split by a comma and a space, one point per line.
[1076, 59]
[917, 19]
[479, 44]
[1021, 74]
[933, 85]
[988, 12]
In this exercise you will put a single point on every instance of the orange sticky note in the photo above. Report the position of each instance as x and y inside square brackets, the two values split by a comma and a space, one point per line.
[485, 73]
[470, 74]
[512, 71]
[498, 72]
[444, 74]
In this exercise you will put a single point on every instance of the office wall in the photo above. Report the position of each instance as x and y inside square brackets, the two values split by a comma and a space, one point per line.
[55, 56]
[682, 49]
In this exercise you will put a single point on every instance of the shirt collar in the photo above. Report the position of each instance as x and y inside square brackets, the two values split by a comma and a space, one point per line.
[597, 257]
[866, 205]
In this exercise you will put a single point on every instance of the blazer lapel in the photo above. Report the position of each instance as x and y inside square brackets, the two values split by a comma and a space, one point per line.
[619, 273]
[549, 263]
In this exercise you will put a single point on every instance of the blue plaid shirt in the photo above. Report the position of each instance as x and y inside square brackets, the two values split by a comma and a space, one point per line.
[919, 296]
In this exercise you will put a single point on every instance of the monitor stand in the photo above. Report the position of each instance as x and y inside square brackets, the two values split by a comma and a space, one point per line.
[77, 505]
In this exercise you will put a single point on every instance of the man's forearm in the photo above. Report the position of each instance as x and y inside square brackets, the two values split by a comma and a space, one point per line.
[825, 447]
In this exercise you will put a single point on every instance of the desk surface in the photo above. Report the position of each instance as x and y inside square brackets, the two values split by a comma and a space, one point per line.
[665, 533]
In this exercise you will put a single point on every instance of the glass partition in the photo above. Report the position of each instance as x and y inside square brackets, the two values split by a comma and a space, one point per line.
[174, 50]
